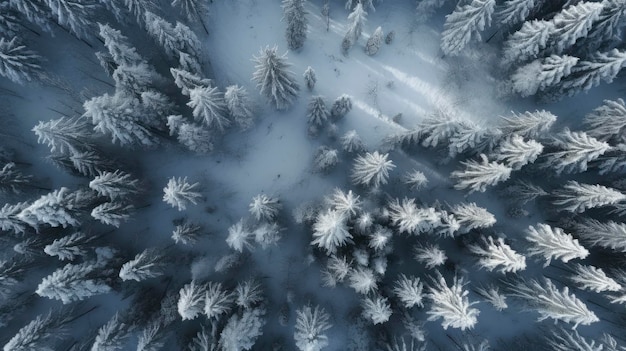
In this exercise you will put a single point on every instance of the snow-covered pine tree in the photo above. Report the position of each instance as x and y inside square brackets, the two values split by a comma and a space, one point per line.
[180, 193]
[426, 9]
[205, 340]
[112, 213]
[588, 73]
[75, 16]
[188, 63]
[325, 159]
[186, 80]
[209, 107]
[248, 294]
[317, 113]
[118, 46]
[73, 282]
[374, 42]
[195, 137]
[341, 106]
[376, 309]
[242, 330]
[146, 264]
[528, 124]
[217, 300]
[372, 169]
[89, 163]
[527, 42]
[112, 335]
[70, 246]
[191, 300]
[553, 303]
[295, 16]
[380, 238]
[493, 295]
[436, 128]
[514, 12]
[351, 142]
[515, 152]
[577, 197]
[12, 180]
[608, 122]
[550, 243]
[474, 139]
[40, 333]
[362, 280]
[115, 185]
[273, 79]
[356, 21]
[451, 303]
[311, 323]
[186, 233]
[9, 220]
[35, 11]
[239, 106]
[9, 22]
[607, 29]
[430, 255]
[120, 116]
[264, 208]
[17, 62]
[609, 234]
[497, 255]
[411, 219]
[345, 203]
[309, 77]
[523, 192]
[330, 231]
[338, 268]
[542, 74]
[267, 234]
[409, 291]
[565, 340]
[577, 149]
[572, 23]
[478, 175]
[593, 278]
[194, 10]
[464, 23]
[65, 135]
[188, 42]
[58, 208]
[239, 236]
[471, 216]
[165, 34]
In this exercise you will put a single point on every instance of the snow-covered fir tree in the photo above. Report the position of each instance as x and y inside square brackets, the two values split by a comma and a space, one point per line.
[311, 325]
[477, 175]
[17, 62]
[341, 106]
[577, 197]
[267, 234]
[186, 233]
[330, 231]
[186, 80]
[172, 39]
[426, 8]
[180, 193]
[450, 303]
[90, 163]
[273, 78]
[338, 268]
[593, 279]
[119, 47]
[115, 185]
[112, 335]
[36, 12]
[380, 238]
[515, 152]
[217, 301]
[493, 295]
[325, 159]
[523, 192]
[526, 43]
[542, 74]
[351, 142]
[572, 23]
[12, 180]
[497, 255]
[41, 332]
[239, 236]
[609, 234]
[310, 78]
[60, 208]
[239, 106]
[551, 242]
[608, 122]
[576, 150]
[112, 213]
[76, 17]
[565, 340]
[248, 294]
[73, 282]
[64, 135]
[356, 21]
[464, 23]
[513, 12]
[372, 169]
[412, 219]
[317, 113]
[264, 207]
[9, 220]
[347, 204]
[362, 280]
[69, 247]
[242, 330]
[415, 179]
[471, 216]
[376, 309]
[374, 42]
[606, 30]
[530, 125]
[194, 10]
[295, 16]
[196, 138]
[209, 107]
[432, 131]
[409, 291]
[474, 139]
[550, 302]
[191, 300]
[146, 264]
[430, 255]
